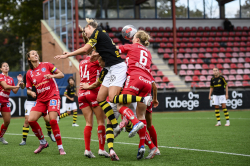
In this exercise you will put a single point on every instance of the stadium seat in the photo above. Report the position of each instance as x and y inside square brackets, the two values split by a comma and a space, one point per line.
[247, 65]
[161, 29]
[231, 84]
[200, 61]
[166, 56]
[203, 78]
[246, 71]
[183, 66]
[245, 83]
[234, 60]
[188, 79]
[233, 71]
[205, 66]
[201, 85]
[247, 59]
[194, 84]
[165, 79]
[209, 77]
[159, 73]
[241, 60]
[187, 55]
[153, 73]
[226, 66]
[248, 54]
[158, 79]
[221, 55]
[207, 84]
[219, 66]
[225, 72]
[228, 55]
[210, 72]
[180, 56]
[200, 28]
[198, 66]
[204, 72]
[213, 60]
[190, 72]
[231, 77]
[238, 83]
[227, 60]
[239, 77]
[154, 67]
[240, 66]
[197, 72]
[241, 54]
[220, 60]
[163, 86]
[171, 85]
[191, 66]
[233, 66]
[211, 66]
[155, 29]
[160, 50]
[235, 54]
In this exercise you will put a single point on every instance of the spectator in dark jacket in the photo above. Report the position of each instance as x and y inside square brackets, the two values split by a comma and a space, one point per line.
[228, 25]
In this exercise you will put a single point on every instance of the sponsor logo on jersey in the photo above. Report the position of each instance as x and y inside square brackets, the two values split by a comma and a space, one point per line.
[80, 104]
[94, 102]
[8, 104]
[137, 64]
[42, 83]
[4, 95]
[52, 102]
[34, 104]
[144, 80]
[132, 87]
[34, 81]
[38, 74]
[43, 69]
[43, 89]
[112, 79]
[84, 94]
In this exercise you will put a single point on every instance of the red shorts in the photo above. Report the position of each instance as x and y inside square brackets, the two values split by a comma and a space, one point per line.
[51, 105]
[137, 85]
[5, 107]
[149, 108]
[87, 98]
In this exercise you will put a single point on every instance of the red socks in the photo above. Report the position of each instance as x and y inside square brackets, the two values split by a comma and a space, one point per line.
[128, 113]
[142, 133]
[87, 136]
[153, 135]
[36, 129]
[56, 131]
[149, 142]
[101, 136]
[3, 130]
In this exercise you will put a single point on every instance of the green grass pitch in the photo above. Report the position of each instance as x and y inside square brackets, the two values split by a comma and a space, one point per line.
[184, 138]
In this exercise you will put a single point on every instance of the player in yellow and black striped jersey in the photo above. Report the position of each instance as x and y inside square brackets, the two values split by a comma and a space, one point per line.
[218, 85]
[70, 93]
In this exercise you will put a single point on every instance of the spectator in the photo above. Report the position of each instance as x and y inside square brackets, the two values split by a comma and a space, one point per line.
[101, 25]
[107, 28]
[228, 25]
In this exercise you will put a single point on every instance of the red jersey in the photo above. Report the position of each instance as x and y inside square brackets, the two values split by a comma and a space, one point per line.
[4, 94]
[89, 71]
[138, 59]
[46, 89]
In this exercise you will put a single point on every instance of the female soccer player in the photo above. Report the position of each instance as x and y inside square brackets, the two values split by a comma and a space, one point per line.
[70, 101]
[28, 105]
[138, 83]
[218, 85]
[89, 71]
[6, 85]
[41, 75]
[113, 81]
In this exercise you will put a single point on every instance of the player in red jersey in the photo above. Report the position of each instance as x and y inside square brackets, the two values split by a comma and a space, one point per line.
[89, 72]
[138, 83]
[41, 75]
[6, 85]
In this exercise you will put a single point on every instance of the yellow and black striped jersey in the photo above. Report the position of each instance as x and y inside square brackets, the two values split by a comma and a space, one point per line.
[70, 91]
[218, 84]
[102, 75]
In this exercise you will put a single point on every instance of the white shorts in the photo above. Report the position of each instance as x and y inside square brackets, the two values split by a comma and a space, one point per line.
[70, 106]
[28, 106]
[116, 75]
[132, 106]
[219, 99]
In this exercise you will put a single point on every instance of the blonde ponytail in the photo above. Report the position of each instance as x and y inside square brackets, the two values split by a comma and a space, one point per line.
[91, 22]
[144, 37]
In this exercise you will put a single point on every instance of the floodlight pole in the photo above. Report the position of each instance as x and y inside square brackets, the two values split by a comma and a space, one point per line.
[77, 27]
[174, 33]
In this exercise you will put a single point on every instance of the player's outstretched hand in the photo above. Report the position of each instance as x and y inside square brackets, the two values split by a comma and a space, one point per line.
[33, 94]
[48, 76]
[20, 77]
[61, 56]
[155, 103]
[84, 86]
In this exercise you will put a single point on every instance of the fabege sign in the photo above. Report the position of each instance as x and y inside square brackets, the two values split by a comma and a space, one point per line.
[190, 104]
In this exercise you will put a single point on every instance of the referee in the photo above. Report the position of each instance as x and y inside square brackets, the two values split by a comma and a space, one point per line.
[218, 85]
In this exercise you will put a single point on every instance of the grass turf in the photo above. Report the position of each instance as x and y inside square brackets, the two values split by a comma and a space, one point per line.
[191, 130]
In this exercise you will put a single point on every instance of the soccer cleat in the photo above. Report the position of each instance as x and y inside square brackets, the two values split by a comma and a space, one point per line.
[89, 154]
[3, 141]
[147, 100]
[218, 124]
[113, 155]
[153, 152]
[52, 137]
[117, 131]
[141, 152]
[227, 123]
[23, 143]
[75, 125]
[41, 147]
[103, 153]
[157, 151]
[62, 152]
[135, 129]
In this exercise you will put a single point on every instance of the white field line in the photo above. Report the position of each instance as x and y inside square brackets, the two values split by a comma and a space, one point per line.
[125, 143]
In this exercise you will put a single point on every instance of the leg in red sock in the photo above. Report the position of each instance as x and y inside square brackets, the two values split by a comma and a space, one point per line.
[153, 135]
[142, 133]
[101, 136]
[36, 129]
[3, 130]
[56, 131]
[87, 137]
[128, 113]
[148, 141]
